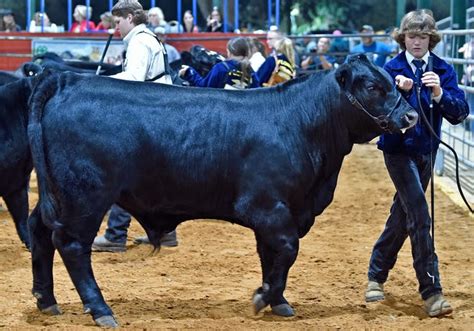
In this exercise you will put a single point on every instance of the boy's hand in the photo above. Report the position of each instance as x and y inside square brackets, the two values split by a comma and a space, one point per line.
[430, 79]
[182, 71]
[403, 83]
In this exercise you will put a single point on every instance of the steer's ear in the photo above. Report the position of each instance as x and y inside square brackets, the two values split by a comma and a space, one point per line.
[30, 69]
[344, 76]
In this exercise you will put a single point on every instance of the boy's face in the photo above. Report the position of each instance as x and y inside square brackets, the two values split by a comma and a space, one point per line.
[417, 44]
[124, 24]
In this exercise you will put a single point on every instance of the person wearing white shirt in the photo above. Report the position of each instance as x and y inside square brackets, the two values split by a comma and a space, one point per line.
[145, 55]
[145, 60]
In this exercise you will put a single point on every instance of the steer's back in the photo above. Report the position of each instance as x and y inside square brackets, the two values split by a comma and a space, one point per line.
[163, 144]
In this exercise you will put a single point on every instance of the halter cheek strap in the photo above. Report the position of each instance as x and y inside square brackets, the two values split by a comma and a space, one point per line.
[382, 120]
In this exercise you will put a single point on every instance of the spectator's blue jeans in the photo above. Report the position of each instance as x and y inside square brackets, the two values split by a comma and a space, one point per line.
[408, 217]
[117, 226]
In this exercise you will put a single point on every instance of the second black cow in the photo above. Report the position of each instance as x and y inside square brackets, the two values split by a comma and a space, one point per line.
[266, 159]
[15, 159]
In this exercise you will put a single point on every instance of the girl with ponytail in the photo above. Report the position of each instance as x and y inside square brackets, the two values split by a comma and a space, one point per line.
[233, 73]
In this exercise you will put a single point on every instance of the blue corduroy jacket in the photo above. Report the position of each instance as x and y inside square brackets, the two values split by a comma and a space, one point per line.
[452, 106]
[218, 76]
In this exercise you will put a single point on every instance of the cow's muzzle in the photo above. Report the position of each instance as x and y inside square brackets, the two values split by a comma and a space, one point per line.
[408, 120]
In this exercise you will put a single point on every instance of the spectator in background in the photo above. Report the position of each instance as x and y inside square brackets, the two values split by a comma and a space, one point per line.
[273, 36]
[280, 66]
[7, 22]
[318, 58]
[468, 77]
[339, 45]
[173, 54]
[468, 53]
[41, 23]
[106, 22]
[233, 73]
[156, 18]
[174, 27]
[257, 53]
[214, 22]
[82, 15]
[188, 21]
[376, 51]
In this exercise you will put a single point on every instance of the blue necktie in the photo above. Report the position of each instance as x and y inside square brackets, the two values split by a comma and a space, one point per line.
[419, 70]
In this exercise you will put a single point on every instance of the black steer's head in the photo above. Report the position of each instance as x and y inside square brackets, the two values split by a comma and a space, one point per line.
[202, 59]
[376, 105]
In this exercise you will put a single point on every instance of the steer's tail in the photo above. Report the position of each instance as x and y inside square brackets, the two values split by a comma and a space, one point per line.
[46, 86]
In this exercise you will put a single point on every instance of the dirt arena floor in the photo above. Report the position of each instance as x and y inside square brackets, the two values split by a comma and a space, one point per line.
[207, 282]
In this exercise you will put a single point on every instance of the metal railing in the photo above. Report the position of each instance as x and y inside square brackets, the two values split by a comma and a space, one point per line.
[445, 23]
[273, 12]
[460, 137]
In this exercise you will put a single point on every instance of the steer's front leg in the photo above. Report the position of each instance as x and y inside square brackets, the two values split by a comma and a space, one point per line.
[277, 246]
[77, 258]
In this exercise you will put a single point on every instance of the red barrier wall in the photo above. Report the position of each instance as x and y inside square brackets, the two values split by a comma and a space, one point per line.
[15, 48]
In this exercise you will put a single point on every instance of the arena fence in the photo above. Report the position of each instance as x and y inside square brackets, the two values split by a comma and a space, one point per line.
[460, 137]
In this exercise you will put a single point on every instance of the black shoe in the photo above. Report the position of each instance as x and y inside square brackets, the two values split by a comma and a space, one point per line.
[101, 244]
[168, 240]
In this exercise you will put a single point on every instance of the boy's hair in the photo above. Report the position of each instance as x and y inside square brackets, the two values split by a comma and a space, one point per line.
[418, 22]
[133, 7]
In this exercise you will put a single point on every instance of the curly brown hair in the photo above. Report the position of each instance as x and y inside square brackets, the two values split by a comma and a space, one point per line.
[419, 21]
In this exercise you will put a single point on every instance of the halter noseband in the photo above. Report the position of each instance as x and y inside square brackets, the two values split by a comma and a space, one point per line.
[382, 120]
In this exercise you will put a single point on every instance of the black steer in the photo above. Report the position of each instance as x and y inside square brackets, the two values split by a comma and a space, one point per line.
[15, 160]
[201, 59]
[7, 77]
[266, 159]
[53, 61]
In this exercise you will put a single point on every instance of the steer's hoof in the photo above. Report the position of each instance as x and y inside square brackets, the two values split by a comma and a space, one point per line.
[107, 321]
[257, 300]
[284, 310]
[52, 310]
[258, 303]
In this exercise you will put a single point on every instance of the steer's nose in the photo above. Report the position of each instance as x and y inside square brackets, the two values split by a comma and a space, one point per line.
[410, 119]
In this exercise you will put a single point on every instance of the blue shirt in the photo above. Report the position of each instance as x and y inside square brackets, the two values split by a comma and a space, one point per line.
[317, 64]
[452, 106]
[218, 77]
[266, 69]
[377, 52]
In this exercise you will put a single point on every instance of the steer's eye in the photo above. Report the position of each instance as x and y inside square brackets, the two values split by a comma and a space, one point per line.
[376, 88]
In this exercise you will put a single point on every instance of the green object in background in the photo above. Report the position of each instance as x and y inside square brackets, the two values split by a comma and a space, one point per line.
[426, 4]
[401, 5]
[458, 22]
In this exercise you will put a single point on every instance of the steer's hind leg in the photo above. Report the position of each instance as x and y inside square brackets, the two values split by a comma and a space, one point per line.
[77, 258]
[277, 246]
[17, 204]
[42, 254]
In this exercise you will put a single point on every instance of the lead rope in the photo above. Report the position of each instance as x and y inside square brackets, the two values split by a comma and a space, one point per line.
[434, 135]
[429, 67]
